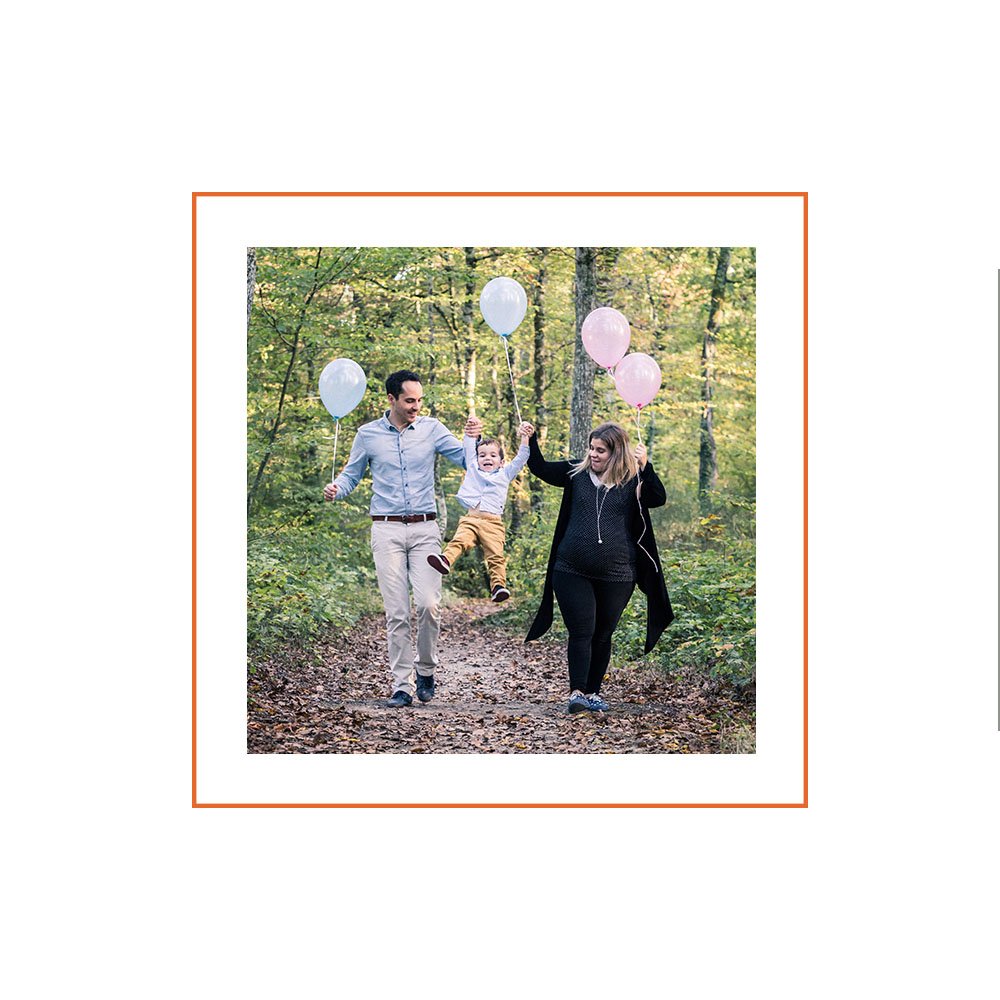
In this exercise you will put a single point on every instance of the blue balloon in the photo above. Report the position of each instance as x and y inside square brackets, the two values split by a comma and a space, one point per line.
[341, 386]
[503, 304]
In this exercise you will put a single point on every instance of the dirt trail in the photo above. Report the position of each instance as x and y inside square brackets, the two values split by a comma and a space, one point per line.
[495, 694]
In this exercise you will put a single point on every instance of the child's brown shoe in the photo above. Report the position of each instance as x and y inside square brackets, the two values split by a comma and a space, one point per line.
[440, 563]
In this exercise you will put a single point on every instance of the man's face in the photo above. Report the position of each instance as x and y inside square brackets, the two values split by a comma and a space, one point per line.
[489, 457]
[406, 406]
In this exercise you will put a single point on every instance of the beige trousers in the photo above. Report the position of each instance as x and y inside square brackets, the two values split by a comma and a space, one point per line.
[477, 527]
[400, 552]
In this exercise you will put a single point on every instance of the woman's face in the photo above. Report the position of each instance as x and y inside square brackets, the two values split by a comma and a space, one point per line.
[600, 455]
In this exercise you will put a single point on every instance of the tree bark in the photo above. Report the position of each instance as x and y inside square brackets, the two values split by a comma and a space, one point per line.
[582, 401]
[440, 501]
[251, 280]
[606, 275]
[470, 343]
[708, 469]
[540, 416]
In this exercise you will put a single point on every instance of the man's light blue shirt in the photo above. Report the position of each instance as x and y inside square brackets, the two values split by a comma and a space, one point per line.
[401, 462]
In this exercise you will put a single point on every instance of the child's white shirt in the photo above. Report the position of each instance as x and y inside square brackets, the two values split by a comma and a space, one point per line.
[487, 491]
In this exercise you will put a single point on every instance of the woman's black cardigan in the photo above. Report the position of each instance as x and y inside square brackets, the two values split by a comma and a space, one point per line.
[648, 571]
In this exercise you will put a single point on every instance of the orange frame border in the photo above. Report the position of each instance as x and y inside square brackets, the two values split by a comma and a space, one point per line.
[195, 195]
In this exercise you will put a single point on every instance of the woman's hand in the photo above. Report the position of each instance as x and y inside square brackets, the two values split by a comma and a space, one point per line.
[525, 430]
[640, 455]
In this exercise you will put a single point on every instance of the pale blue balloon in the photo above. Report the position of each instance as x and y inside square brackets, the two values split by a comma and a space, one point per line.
[341, 386]
[503, 305]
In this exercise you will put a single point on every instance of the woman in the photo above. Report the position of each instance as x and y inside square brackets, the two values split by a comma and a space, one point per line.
[602, 547]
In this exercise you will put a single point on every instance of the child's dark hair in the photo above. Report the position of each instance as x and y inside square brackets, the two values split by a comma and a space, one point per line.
[394, 383]
[486, 440]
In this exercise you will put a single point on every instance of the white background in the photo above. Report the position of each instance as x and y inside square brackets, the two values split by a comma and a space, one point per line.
[226, 226]
[885, 886]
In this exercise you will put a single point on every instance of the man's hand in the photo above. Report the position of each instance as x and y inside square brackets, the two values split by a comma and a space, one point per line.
[640, 455]
[526, 430]
[330, 492]
[473, 427]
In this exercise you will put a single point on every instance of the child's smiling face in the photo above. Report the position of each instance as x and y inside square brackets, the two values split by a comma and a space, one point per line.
[489, 457]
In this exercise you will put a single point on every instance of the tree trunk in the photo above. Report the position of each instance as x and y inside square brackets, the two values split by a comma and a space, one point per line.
[540, 416]
[708, 469]
[440, 501]
[606, 275]
[470, 343]
[251, 280]
[582, 402]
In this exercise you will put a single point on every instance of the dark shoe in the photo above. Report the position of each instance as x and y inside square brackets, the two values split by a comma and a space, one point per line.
[440, 563]
[597, 703]
[400, 699]
[499, 594]
[578, 703]
[425, 687]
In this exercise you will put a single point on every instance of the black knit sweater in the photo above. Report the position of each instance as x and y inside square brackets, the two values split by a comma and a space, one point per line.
[597, 543]
[648, 572]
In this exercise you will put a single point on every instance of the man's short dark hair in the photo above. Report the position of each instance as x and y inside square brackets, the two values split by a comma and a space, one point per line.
[394, 383]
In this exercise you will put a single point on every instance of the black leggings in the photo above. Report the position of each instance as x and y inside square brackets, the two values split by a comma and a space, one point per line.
[590, 609]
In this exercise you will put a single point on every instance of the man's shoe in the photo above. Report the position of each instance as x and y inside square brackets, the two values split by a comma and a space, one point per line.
[400, 699]
[597, 703]
[578, 703]
[440, 563]
[499, 594]
[425, 687]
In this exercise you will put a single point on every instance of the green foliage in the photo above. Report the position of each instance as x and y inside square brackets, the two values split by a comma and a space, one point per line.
[297, 586]
[714, 632]
[309, 564]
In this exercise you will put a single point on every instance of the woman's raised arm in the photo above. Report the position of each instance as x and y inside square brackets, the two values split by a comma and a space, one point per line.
[553, 473]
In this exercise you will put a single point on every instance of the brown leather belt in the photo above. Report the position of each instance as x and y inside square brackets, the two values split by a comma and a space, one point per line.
[405, 518]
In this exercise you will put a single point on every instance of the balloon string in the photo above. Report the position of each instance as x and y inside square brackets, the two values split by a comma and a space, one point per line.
[336, 437]
[638, 426]
[513, 388]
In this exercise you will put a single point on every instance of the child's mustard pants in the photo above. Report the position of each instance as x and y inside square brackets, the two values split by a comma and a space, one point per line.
[477, 527]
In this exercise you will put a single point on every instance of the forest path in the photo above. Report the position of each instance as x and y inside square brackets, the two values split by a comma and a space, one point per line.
[495, 694]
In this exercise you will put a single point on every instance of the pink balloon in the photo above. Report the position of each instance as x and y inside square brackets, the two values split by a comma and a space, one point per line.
[606, 336]
[637, 379]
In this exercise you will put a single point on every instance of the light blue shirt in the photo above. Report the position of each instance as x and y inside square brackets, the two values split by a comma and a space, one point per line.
[402, 464]
[487, 490]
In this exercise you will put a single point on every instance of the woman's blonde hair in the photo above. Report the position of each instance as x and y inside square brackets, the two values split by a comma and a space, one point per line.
[622, 465]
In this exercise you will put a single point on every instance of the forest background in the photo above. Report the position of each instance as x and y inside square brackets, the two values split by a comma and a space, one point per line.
[309, 567]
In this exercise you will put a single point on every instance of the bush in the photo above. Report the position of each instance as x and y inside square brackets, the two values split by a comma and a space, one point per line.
[299, 586]
[714, 630]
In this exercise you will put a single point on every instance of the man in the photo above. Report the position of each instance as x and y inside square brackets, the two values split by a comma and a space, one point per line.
[399, 448]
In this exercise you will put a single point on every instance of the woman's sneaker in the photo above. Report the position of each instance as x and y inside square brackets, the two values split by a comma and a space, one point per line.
[440, 563]
[498, 594]
[578, 703]
[597, 703]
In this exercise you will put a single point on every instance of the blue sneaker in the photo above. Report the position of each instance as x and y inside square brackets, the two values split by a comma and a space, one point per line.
[425, 687]
[597, 703]
[578, 703]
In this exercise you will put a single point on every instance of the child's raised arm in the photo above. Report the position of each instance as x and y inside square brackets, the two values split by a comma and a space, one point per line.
[525, 430]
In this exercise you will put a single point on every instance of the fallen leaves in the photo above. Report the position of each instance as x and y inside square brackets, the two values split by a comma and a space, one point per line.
[495, 694]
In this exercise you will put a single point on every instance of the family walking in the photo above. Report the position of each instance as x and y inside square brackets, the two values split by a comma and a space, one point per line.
[602, 549]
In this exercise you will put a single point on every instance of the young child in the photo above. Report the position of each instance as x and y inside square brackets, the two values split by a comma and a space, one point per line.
[483, 494]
